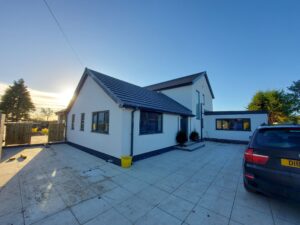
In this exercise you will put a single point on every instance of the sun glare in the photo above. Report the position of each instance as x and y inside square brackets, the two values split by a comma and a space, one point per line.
[66, 96]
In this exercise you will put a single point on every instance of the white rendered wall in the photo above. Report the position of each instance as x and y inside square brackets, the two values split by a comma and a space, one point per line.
[203, 88]
[187, 96]
[92, 99]
[211, 132]
[181, 95]
[150, 142]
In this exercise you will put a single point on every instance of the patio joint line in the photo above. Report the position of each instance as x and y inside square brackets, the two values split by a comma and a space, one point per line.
[235, 193]
[205, 192]
[21, 196]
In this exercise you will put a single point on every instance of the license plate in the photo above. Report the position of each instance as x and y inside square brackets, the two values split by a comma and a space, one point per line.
[290, 163]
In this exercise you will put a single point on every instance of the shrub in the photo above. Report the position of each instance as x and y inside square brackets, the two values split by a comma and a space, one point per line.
[45, 131]
[34, 130]
[194, 136]
[181, 137]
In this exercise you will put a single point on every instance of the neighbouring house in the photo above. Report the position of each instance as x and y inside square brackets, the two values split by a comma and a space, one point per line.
[61, 116]
[110, 118]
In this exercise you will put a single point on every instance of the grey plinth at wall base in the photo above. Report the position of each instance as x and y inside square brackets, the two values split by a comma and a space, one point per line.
[191, 146]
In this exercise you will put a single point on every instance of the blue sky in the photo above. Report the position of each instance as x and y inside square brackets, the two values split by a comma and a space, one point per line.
[244, 46]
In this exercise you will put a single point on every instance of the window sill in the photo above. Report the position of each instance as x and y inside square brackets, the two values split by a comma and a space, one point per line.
[99, 132]
[233, 130]
[150, 133]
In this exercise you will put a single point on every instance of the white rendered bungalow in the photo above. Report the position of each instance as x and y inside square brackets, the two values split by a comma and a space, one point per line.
[110, 118]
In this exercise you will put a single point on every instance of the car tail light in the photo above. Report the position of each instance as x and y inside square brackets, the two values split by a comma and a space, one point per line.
[250, 157]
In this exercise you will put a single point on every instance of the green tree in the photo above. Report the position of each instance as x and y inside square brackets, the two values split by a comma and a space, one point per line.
[277, 103]
[47, 112]
[16, 102]
[294, 95]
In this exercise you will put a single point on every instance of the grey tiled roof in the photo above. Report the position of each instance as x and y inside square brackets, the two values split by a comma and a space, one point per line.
[179, 82]
[133, 96]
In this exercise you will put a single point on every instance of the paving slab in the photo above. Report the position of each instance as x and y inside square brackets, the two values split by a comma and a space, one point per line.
[158, 217]
[205, 216]
[63, 185]
[89, 209]
[176, 207]
[249, 216]
[133, 208]
[64, 217]
[109, 217]
[216, 204]
[153, 195]
[12, 218]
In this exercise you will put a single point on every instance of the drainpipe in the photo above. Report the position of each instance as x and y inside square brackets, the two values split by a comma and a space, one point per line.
[201, 119]
[66, 127]
[132, 132]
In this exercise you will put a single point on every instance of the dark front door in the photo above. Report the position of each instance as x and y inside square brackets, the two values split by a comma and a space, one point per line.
[184, 124]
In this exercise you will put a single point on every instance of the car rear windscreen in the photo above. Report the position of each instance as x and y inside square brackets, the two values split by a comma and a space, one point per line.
[285, 138]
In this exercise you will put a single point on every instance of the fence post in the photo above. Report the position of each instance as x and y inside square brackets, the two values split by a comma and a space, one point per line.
[2, 119]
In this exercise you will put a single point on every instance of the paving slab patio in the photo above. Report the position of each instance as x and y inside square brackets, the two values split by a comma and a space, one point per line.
[63, 185]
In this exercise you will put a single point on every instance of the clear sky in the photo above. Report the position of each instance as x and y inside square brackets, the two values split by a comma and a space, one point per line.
[244, 46]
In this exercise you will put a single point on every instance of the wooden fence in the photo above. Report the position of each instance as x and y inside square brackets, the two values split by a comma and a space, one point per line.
[56, 132]
[18, 133]
[2, 119]
[22, 133]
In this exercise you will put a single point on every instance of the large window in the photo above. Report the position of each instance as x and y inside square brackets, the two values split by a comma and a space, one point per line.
[73, 121]
[151, 122]
[100, 122]
[82, 122]
[239, 124]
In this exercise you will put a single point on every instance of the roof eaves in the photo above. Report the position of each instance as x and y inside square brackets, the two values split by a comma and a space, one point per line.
[204, 73]
[136, 107]
[105, 88]
[242, 112]
[76, 92]
[140, 107]
[209, 86]
[174, 86]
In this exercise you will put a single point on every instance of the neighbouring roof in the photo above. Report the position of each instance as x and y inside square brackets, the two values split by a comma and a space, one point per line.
[132, 96]
[63, 111]
[234, 112]
[179, 82]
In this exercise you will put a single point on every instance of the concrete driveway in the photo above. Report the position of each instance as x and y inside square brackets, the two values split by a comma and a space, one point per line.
[62, 185]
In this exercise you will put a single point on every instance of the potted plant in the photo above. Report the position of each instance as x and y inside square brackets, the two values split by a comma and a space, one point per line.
[181, 137]
[194, 136]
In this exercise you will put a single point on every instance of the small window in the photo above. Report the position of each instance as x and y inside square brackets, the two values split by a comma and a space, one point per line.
[82, 121]
[239, 124]
[100, 122]
[203, 99]
[150, 122]
[73, 121]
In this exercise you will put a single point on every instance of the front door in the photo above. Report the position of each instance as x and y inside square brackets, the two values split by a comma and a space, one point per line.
[184, 124]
